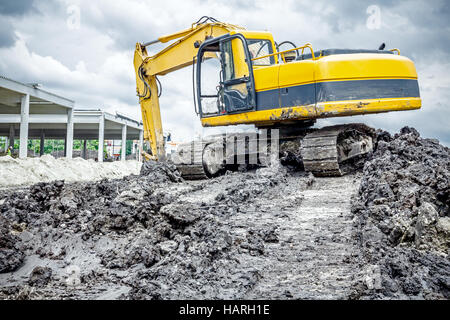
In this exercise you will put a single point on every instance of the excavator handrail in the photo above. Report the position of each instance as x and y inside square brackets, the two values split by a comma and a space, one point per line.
[396, 50]
[308, 45]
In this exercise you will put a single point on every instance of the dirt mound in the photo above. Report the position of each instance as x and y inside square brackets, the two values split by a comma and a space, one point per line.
[143, 237]
[195, 253]
[403, 221]
[161, 171]
[88, 208]
[11, 255]
[21, 172]
[250, 186]
[58, 211]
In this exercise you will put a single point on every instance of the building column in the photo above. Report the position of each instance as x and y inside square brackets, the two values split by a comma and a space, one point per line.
[24, 118]
[123, 155]
[11, 135]
[69, 134]
[84, 156]
[101, 137]
[41, 148]
[65, 147]
[6, 143]
[141, 144]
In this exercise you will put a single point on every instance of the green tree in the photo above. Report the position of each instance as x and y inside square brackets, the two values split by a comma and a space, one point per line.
[129, 146]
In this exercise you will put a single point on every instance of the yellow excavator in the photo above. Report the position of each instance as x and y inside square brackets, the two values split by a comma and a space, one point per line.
[245, 77]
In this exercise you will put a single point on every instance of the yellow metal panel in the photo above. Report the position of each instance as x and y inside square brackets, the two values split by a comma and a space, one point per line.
[364, 65]
[263, 116]
[239, 60]
[174, 36]
[356, 107]
[151, 117]
[326, 109]
[266, 77]
[248, 34]
[295, 73]
[180, 53]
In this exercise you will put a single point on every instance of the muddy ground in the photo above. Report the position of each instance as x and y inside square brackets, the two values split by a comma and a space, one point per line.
[403, 219]
[270, 233]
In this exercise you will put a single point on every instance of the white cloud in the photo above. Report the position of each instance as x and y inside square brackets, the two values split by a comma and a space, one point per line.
[111, 87]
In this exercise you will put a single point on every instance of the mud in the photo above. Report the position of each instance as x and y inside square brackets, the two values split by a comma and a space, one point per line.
[242, 235]
[270, 233]
[403, 222]
[290, 155]
[161, 172]
[11, 255]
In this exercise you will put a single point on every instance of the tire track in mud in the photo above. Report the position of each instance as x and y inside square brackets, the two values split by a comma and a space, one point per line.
[313, 257]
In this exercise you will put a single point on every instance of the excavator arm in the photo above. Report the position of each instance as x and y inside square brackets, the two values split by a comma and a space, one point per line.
[177, 55]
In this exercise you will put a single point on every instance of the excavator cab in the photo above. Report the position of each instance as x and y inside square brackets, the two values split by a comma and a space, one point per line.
[224, 77]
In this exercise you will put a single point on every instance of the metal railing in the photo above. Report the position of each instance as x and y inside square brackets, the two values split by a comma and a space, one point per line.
[308, 45]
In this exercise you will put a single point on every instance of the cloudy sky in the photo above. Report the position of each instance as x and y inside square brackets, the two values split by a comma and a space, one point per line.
[89, 59]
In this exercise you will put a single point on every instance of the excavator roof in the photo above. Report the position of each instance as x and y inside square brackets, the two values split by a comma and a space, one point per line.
[248, 34]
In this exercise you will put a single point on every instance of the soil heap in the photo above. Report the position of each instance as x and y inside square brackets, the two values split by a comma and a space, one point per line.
[403, 218]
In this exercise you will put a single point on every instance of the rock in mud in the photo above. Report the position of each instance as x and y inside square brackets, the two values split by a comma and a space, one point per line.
[290, 155]
[40, 276]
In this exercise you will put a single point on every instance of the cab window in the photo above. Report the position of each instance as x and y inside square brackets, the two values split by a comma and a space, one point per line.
[228, 63]
[210, 82]
[259, 48]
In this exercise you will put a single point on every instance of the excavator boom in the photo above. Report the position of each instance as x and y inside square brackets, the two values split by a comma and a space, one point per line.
[178, 55]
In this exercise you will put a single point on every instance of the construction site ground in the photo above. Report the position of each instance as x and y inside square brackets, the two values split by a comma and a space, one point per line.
[382, 232]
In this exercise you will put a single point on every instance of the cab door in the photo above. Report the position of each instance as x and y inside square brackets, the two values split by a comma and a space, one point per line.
[238, 80]
[224, 77]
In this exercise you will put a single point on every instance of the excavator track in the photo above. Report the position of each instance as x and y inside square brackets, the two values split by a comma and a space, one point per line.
[208, 158]
[332, 151]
